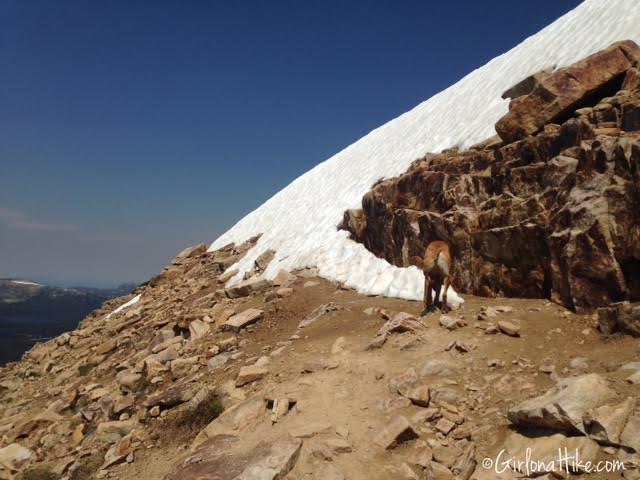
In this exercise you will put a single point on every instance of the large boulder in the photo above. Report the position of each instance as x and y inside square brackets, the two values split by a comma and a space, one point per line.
[564, 406]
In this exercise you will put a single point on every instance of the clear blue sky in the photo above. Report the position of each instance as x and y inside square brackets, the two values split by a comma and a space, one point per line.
[131, 129]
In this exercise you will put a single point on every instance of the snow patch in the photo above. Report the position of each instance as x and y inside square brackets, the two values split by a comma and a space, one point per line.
[133, 301]
[299, 222]
[26, 282]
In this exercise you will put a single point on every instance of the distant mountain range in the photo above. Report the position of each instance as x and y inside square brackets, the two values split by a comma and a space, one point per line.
[30, 312]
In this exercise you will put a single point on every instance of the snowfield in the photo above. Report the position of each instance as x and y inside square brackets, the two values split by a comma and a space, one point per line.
[299, 222]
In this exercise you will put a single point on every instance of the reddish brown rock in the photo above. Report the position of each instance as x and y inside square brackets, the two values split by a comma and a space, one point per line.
[555, 215]
[562, 92]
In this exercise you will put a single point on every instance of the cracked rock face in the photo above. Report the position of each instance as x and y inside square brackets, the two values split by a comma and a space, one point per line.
[550, 215]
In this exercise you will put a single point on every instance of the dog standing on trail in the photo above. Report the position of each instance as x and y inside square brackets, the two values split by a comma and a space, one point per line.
[437, 268]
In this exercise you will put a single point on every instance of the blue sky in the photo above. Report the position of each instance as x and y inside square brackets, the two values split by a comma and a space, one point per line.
[132, 129]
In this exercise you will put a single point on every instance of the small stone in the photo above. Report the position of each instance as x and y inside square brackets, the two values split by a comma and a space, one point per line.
[634, 379]
[338, 346]
[129, 381]
[509, 328]
[321, 452]
[247, 287]
[338, 445]
[198, 329]
[419, 395]
[377, 342]
[491, 330]
[445, 426]
[122, 403]
[547, 368]
[450, 323]
[154, 411]
[284, 292]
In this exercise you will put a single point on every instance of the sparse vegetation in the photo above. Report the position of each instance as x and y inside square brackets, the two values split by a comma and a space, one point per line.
[216, 407]
[39, 474]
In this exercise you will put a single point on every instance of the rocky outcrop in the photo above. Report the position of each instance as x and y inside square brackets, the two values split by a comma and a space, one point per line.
[549, 215]
[565, 90]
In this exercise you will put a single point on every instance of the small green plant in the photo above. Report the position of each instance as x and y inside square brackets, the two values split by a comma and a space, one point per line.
[216, 407]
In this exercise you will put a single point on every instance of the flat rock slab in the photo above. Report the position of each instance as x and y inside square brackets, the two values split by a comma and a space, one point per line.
[240, 417]
[250, 374]
[247, 287]
[317, 313]
[170, 397]
[309, 429]
[211, 460]
[276, 463]
[563, 407]
[397, 431]
[242, 320]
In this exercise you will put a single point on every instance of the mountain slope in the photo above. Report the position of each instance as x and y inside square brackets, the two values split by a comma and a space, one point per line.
[299, 223]
[30, 312]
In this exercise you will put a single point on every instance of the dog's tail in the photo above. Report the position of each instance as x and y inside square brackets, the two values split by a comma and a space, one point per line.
[442, 263]
[417, 261]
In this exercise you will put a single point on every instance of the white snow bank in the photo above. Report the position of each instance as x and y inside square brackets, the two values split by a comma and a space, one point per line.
[299, 222]
[133, 301]
[26, 282]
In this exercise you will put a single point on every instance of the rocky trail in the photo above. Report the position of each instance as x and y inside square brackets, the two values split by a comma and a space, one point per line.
[366, 389]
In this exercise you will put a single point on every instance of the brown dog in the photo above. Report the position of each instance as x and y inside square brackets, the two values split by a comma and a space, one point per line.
[437, 268]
